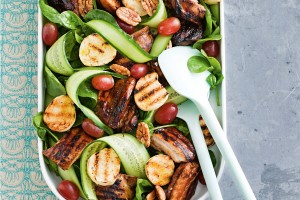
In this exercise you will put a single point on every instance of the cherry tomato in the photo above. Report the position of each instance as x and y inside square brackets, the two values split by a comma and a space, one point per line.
[201, 178]
[68, 190]
[49, 33]
[169, 26]
[125, 27]
[211, 48]
[91, 129]
[103, 82]
[139, 70]
[166, 113]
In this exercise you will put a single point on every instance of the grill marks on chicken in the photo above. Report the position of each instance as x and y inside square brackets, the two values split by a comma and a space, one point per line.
[183, 181]
[123, 188]
[173, 143]
[115, 108]
[144, 38]
[187, 34]
[189, 10]
[69, 148]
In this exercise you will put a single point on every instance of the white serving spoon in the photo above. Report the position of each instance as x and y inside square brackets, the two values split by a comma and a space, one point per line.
[190, 114]
[173, 63]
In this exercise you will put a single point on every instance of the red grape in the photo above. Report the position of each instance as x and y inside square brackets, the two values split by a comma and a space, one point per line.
[103, 82]
[211, 48]
[50, 33]
[166, 113]
[125, 27]
[91, 129]
[169, 26]
[68, 190]
[139, 70]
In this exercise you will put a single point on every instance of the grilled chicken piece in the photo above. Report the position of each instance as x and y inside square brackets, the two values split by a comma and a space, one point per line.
[187, 34]
[85, 6]
[208, 138]
[189, 10]
[149, 93]
[182, 180]
[63, 5]
[123, 188]
[69, 148]
[171, 141]
[144, 38]
[114, 107]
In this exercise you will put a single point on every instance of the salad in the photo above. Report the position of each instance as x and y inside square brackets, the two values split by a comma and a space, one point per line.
[109, 127]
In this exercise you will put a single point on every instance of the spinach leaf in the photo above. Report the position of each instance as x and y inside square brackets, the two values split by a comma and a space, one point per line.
[54, 87]
[50, 13]
[70, 20]
[100, 14]
[142, 186]
[79, 36]
[182, 126]
[79, 118]
[67, 18]
[198, 64]
[215, 11]
[214, 63]
[213, 36]
[89, 94]
[71, 47]
[212, 157]
[208, 18]
[41, 128]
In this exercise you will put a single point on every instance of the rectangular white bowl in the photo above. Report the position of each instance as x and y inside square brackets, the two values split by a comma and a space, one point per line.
[52, 180]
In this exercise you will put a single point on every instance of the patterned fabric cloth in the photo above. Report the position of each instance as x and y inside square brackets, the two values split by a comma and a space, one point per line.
[20, 173]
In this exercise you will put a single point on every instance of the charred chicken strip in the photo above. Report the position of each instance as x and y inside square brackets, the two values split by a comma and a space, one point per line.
[114, 107]
[173, 143]
[189, 10]
[69, 148]
[187, 34]
[144, 38]
[123, 188]
[182, 180]
[154, 67]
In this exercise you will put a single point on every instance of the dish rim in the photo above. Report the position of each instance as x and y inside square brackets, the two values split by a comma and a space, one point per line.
[41, 96]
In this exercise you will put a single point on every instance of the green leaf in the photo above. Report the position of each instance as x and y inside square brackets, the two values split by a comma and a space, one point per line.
[79, 118]
[54, 87]
[182, 126]
[215, 11]
[70, 20]
[71, 46]
[212, 80]
[214, 36]
[100, 14]
[212, 157]
[50, 13]
[79, 36]
[89, 94]
[198, 64]
[214, 63]
[143, 186]
[208, 18]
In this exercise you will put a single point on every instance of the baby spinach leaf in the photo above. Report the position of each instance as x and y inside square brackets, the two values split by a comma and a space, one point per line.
[214, 63]
[212, 157]
[208, 18]
[79, 118]
[70, 20]
[54, 87]
[214, 36]
[215, 11]
[100, 14]
[142, 186]
[89, 94]
[212, 80]
[79, 36]
[182, 126]
[41, 128]
[50, 13]
[198, 64]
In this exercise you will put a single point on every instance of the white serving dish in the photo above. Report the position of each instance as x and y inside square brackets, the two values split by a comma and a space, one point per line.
[201, 191]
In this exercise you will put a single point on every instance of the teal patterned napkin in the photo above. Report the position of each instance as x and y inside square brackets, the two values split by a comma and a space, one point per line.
[20, 173]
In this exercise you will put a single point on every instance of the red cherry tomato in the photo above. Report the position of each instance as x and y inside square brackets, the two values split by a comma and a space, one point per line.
[139, 70]
[103, 82]
[166, 113]
[201, 178]
[91, 129]
[211, 48]
[125, 27]
[50, 33]
[169, 26]
[68, 190]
